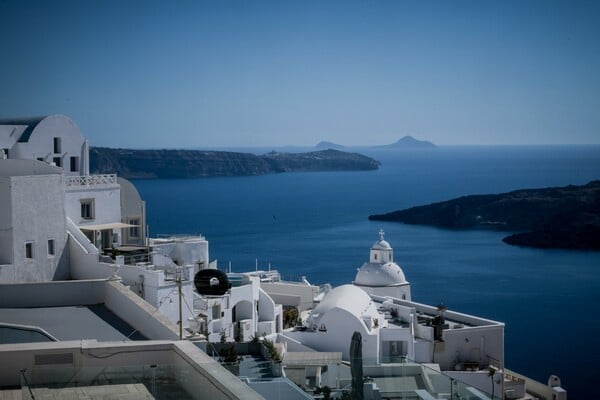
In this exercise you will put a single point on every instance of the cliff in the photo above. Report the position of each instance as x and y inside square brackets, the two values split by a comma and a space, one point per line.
[558, 217]
[197, 163]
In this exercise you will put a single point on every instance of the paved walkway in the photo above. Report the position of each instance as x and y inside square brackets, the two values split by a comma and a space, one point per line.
[10, 394]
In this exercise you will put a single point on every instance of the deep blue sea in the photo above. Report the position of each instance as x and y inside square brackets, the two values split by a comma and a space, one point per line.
[315, 224]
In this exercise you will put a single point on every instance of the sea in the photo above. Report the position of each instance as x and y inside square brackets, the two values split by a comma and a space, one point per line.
[316, 225]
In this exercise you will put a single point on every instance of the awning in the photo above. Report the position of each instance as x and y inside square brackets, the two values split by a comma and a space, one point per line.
[101, 227]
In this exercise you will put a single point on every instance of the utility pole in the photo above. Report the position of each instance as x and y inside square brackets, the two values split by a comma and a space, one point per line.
[178, 280]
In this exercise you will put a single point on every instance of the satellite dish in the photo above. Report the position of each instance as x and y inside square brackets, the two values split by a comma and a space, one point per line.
[211, 282]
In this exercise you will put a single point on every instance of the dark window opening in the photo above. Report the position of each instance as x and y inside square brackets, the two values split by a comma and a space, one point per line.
[87, 209]
[29, 250]
[57, 145]
[74, 164]
[51, 247]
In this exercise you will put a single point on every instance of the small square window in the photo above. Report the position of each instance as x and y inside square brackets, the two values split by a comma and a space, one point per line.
[57, 146]
[87, 209]
[50, 247]
[74, 164]
[57, 161]
[29, 250]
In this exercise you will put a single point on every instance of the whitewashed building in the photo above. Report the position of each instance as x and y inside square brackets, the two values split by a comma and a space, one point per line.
[33, 234]
[59, 222]
[381, 275]
[53, 139]
[241, 313]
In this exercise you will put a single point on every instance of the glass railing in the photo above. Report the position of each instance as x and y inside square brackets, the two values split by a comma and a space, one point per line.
[403, 379]
[406, 379]
[314, 377]
[149, 381]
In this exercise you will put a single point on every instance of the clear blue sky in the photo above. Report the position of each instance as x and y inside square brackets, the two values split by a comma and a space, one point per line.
[250, 73]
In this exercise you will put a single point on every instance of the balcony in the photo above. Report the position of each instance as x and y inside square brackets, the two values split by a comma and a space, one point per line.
[91, 181]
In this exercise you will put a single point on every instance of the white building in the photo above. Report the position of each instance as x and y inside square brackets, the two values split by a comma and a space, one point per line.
[240, 313]
[394, 327]
[133, 213]
[381, 275]
[54, 139]
[44, 165]
[33, 234]
[58, 222]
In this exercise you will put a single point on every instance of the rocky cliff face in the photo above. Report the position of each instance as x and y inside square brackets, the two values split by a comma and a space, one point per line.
[560, 217]
[196, 163]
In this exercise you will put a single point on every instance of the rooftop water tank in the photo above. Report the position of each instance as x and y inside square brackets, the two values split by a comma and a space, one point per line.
[211, 282]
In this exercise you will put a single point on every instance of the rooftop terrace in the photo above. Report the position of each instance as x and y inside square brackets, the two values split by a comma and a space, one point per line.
[69, 323]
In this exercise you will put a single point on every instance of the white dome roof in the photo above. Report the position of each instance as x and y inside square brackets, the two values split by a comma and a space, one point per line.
[381, 245]
[373, 275]
[349, 298]
[346, 297]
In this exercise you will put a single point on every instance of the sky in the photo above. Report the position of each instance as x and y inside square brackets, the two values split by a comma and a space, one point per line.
[189, 74]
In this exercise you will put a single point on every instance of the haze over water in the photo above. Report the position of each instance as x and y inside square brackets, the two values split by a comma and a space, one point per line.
[315, 224]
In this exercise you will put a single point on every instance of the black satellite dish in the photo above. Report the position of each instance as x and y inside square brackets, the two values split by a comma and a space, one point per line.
[211, 282]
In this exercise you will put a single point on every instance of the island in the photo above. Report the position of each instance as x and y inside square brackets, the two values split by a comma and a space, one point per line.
[329, 145]
[557, 217]
[409, 142]
[406, 142]
[166, 163]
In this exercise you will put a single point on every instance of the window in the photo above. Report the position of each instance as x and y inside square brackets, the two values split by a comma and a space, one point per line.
[74, 164]
[87, 208]
[57, 161]
[50, 247]
[134, 231]
[216, 311]
[40, 158]
[57, 145]
[29, 250]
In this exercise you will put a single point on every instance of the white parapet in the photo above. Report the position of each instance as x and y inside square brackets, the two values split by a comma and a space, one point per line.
[78, 181]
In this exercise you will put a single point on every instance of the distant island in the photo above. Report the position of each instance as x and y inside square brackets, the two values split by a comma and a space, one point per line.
[558, 217]
[147, 164]
[329, 145]
[407, 142]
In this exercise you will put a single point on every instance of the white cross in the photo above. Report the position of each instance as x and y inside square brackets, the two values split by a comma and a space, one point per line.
[381, 234]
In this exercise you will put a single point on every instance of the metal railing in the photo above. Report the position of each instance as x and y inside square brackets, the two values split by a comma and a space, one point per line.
[91, 180]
